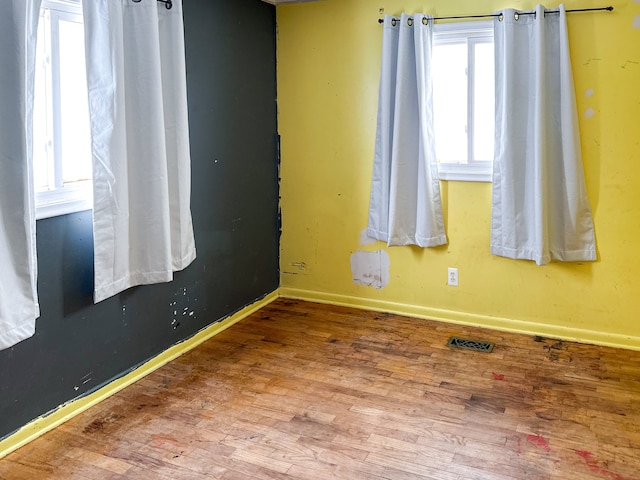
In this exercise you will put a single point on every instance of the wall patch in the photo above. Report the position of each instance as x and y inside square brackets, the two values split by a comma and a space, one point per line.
[366, 239]
[370, 268]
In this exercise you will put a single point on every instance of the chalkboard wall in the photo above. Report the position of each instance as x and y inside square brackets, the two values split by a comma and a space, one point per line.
[79, 346]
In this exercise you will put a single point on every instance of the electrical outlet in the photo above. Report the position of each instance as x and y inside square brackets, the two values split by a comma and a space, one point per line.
[452, 277]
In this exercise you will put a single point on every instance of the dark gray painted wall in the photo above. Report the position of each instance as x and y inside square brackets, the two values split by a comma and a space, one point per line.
[79, 346]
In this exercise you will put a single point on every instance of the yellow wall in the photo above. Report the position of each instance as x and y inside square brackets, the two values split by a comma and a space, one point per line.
[328, 69]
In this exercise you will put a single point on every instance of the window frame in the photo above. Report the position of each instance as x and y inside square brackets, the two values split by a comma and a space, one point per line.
[472, 32]
[78, 196]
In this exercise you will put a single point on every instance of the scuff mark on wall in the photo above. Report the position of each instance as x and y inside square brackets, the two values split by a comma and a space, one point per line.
[370, 268]
[588, 62]
[589, 112]
[87, 378]
[300, 267]
[636, 22]
[589, 92]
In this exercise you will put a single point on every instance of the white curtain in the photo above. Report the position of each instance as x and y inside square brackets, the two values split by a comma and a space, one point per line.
[18, 264]
[140, 142]
[540, 207]
[405, 206]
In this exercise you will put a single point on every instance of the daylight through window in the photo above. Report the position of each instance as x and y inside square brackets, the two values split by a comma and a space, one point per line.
[463, 100]
[61, 131]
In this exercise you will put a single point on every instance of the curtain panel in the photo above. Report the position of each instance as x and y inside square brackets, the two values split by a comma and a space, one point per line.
[540, 207]
[405, 206]
[140, 142]
[18, 273]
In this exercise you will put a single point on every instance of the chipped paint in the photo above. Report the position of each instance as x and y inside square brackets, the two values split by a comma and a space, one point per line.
[589, 112]
[589, 92]
[370, 268]
[636, 22]
[366, 239]
[183, 307]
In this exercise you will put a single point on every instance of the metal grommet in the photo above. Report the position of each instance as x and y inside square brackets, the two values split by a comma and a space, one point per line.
[500, 17]
[410, 22]
[425, 21]
[516, 16]
[394, 22]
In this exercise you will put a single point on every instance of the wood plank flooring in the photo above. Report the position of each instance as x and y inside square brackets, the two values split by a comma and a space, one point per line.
[306, 391]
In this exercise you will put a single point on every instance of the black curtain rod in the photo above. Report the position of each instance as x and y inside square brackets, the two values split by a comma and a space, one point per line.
[167, 3]
[493, 15]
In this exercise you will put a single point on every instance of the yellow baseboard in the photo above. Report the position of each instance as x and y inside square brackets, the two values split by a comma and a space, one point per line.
[470, 319]
[43, 424]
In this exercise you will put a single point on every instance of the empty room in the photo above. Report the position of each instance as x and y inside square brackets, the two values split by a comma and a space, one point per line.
[319, 239]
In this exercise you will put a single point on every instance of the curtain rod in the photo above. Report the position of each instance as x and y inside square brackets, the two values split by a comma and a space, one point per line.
[167, 3]
[493, 15]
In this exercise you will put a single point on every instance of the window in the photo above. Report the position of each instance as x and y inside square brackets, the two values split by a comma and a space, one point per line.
[61, 132]
[463, 100]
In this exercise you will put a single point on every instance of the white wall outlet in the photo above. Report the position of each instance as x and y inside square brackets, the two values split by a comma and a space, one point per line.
[452, 277]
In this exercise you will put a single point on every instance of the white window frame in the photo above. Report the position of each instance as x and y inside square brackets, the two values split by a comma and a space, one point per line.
[472, 32]
[62, 199]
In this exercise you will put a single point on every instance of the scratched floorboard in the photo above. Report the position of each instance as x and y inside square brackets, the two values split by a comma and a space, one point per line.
[306, 391]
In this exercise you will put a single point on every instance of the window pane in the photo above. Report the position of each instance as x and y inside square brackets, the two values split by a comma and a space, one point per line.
[484, 103]
[74, 111]
[450, 102]
[41, 110]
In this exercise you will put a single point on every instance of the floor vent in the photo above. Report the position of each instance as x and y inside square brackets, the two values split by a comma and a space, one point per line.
[465, 343]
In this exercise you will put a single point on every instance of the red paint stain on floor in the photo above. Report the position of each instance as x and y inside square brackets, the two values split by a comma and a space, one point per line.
[160, 440]
[497, 376]
[539, 441]
[518, 446]
[592, 463]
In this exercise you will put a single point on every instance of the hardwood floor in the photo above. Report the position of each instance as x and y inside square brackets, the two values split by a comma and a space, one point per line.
[306, 391]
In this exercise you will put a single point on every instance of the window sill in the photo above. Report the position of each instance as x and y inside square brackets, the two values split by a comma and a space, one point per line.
[480, 172]
[65, 200]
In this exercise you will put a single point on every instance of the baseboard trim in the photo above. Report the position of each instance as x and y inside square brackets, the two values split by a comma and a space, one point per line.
[470, 319]
[65, 412]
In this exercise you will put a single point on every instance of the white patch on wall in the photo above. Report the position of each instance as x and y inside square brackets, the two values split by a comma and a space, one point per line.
[366, 239]
[636, 22]
[589, 112]
[370, 268]
[588, 93]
